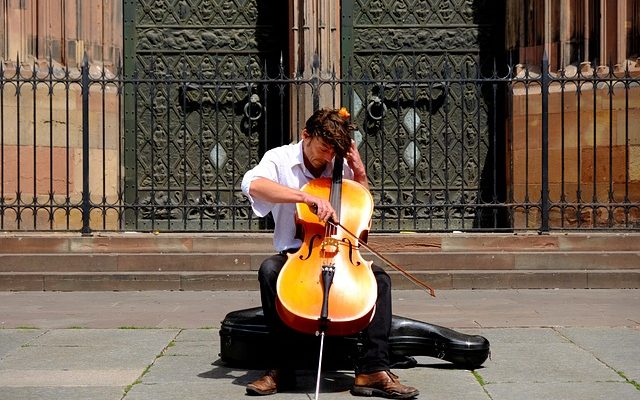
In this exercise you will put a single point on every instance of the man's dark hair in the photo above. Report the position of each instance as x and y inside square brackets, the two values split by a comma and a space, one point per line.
[333, 128]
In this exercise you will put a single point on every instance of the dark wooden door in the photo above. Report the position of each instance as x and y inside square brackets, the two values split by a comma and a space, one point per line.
[430, 128]
[195, 108]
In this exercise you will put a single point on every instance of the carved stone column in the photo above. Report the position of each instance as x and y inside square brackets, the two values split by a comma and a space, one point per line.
[315, 52]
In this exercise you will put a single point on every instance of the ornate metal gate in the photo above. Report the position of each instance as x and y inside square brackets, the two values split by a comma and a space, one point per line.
[206, 93]
[428, 124]
[195, 108]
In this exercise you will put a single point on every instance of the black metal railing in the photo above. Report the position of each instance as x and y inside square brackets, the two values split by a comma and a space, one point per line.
[89, 149]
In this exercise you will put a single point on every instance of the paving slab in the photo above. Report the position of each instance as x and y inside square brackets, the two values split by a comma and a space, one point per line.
[547, 358]
[144, 340]
[179, 369]
[58, 393]
[563, 391]
[80, 358]
[194, 349]
[206, 309]
[67, 378]
[171, 391]
[546, 344]
[198, 335]
[441, 380]
[13, 339]
[618, 348]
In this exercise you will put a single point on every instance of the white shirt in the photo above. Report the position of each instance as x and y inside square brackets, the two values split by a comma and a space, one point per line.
[284, 165]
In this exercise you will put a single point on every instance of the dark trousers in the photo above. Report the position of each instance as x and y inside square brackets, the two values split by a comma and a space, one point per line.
[375, 354]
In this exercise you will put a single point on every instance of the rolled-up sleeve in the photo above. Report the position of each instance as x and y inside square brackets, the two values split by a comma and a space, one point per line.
[267, 168]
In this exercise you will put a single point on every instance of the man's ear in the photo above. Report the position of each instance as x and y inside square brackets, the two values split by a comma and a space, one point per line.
[305, 134]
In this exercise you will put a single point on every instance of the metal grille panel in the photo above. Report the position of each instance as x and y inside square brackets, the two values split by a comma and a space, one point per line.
[199, 109]
[425, 119]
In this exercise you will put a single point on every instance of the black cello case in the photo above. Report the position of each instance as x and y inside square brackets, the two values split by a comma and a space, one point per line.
[245, 343]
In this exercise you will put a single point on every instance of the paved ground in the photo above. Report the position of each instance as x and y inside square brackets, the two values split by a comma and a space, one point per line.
[546, 344]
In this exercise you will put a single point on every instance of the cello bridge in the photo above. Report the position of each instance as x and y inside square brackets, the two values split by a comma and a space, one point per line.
[329, 247]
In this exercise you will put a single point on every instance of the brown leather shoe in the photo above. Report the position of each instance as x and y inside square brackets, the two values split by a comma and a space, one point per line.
[270, 382]
[382, 384]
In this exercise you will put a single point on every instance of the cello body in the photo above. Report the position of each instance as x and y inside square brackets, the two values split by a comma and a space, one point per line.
[353, 288]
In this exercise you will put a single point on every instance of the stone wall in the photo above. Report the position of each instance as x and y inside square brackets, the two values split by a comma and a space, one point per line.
[42, 155]
[594, 153]
[62, 30]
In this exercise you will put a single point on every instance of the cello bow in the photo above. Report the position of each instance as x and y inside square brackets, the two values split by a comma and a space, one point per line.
[406, 274]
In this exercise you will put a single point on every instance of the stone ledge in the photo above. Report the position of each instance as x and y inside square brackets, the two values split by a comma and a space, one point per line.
[218, 262]
[221, 281]
[248, 243]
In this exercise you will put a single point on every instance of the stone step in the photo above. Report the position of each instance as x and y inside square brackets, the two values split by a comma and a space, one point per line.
[234, 280]
[414, 261]
[243, 243]
[144, 261]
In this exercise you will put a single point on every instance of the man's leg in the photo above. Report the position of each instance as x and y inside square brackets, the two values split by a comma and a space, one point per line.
[375, 356]
[275, 378]
[268, 278]
[373, 377]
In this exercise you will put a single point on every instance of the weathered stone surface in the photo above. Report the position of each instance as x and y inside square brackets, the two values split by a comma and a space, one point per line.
[229, 261]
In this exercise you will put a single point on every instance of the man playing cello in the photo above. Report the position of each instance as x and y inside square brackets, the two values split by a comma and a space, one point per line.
[274, 186]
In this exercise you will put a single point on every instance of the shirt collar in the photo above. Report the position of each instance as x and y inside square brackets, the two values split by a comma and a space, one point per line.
[300, 155]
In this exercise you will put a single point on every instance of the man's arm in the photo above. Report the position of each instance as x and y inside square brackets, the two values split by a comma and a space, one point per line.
[356, 164]
[273, 192]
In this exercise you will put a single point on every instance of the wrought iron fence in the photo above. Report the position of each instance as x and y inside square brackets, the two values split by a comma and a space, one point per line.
[90, 149]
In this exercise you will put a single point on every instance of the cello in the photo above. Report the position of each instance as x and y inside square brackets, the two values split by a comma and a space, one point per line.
[326, 285]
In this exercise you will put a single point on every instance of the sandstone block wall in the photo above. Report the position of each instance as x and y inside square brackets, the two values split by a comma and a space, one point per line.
[594, 153]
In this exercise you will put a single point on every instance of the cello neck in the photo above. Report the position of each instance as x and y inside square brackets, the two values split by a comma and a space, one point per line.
[335, 194]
